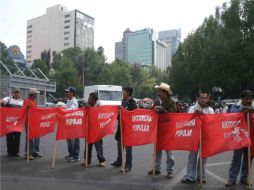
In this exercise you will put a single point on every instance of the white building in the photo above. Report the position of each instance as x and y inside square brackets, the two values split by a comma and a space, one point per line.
[161, 52]
[57, 30]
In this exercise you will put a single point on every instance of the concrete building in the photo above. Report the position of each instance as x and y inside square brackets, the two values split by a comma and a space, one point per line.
[57, 30]
[161, 52]
[172, 38]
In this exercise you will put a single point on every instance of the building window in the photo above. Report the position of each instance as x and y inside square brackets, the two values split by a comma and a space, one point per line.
[66, 16]
[29, 46]
[29, 32]
[28, 51]
[68, 32]
[67, 21]
[66, 38]
[66, 44]
[66, 27]
[29, 37]
[28, 57]
[30, 26]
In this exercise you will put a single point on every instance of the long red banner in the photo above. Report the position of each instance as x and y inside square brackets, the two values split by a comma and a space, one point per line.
[178, 132]
[12, 120]
[252, 132]
[139, 127]
[223, 132]
[101, 122]
[42, 121]
[72, 124]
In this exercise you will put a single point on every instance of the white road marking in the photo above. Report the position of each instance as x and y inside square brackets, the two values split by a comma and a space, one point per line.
[175, 180]
[219, 164]
[219, 178]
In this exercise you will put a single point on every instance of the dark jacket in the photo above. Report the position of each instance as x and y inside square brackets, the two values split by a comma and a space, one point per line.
[127, 105]
[169, 105]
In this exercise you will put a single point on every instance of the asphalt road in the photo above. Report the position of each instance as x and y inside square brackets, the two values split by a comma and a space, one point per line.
[16, 173]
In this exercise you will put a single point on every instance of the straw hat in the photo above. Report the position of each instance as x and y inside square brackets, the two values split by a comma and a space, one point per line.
[165, 87]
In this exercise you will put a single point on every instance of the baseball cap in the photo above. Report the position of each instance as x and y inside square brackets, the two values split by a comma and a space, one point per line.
[70, 89]
[33, 91]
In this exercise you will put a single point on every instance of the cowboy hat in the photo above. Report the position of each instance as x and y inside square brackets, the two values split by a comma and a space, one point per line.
[165, 87]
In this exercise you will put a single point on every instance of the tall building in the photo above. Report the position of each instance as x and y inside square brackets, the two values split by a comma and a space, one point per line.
[57, 30]
[172, 38]
[161, 52]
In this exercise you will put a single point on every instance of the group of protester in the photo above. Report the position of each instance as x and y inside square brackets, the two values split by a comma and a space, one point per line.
[164, 104]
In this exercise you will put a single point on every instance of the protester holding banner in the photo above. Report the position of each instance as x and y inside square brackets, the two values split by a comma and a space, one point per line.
[13, 139]
[34, 144]
[165, 104]
[92, 101]
[240, 156]
[73, 144]
[201, 107]
[128, 104]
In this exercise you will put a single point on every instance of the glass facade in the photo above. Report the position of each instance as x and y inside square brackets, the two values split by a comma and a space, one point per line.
[141, 47]
[84, 30]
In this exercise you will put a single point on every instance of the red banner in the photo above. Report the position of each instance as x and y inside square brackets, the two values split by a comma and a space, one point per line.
[178, 132]
[139, 127]
[252, 132]
[223, 132]
[12, 120]
[42, 121]
[101, 122]
[72, 124]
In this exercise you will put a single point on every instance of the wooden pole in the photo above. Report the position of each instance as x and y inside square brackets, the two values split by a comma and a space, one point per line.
[54, 156]
[249, 154]
[27, 138]
[122, 148]
[154, 158]
[200, 158]
[86, 145]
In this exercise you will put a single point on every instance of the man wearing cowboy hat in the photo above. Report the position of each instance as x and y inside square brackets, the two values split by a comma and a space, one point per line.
[165, 104]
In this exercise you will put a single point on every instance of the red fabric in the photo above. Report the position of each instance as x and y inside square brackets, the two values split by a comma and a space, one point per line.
[101, 122]
[252, 132]
[29, 103]
[42, 121]
[72, 124]
[178, 132]
[223, 132]
[139, 127]
[12, 120]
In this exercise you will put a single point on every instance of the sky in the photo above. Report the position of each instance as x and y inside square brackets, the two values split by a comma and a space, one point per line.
[112, 17]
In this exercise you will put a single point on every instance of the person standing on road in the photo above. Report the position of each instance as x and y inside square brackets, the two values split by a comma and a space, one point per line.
[165, 104]
[240, 156]
[13, 139]
[73, 144]
[34, 144]
[128, 104]
[92, 101]
[201, 107]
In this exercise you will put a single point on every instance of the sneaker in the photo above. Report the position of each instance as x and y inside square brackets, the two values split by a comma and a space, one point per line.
[170, 176]
[156, 172]
[203, 180]
[116, 164]
[30, 157]
[230, 183]
[37, 155]
[244, 182]
[125, 170]
[187, 180]
[68, 156]
[102, 164]
[73, 159]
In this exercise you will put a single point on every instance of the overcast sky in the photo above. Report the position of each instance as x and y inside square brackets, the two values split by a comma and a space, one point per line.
[112, 17]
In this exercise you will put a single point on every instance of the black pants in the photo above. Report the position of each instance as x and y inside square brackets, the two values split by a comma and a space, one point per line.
[13, 142]
[99, 149]
[128, 163]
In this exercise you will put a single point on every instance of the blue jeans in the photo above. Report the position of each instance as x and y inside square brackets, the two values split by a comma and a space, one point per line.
[193, 167]
[128, 149]
[34, 144]
[73, 148]
[240, 160]
[170, 161]
[99, 149]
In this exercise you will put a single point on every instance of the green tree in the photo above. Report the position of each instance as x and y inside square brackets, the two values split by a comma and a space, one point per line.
[41, 65]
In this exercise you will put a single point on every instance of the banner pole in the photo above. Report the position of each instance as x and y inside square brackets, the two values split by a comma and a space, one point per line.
[27, 139]
[54, 155]
[249, 154]
[154, 158]
[122, 148]
[200, 158]
[86, 147]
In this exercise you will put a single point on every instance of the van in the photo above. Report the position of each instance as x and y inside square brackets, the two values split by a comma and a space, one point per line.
[107, 94]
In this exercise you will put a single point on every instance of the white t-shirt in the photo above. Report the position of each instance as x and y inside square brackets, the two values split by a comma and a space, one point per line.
[10, 100]
[205, 110]
[72, 104]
